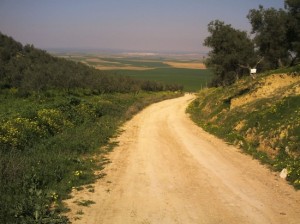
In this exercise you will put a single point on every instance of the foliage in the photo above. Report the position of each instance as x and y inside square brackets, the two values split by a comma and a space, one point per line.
[47, 147]
[231, 48]
[268, 127]
[269, 27]
[275, 43]
[293, 27]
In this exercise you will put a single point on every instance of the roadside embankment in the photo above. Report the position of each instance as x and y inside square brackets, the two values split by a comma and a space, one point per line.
[261, 116]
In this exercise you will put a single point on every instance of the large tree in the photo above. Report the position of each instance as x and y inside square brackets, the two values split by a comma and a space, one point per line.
[270, 29]
[232, 53]
[293, 28]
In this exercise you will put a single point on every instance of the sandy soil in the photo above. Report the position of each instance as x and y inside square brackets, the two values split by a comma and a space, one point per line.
[269, 86]
[189, 65]
[168, 170]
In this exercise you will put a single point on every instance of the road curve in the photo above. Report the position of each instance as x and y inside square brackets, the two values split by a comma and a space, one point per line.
[168, 170]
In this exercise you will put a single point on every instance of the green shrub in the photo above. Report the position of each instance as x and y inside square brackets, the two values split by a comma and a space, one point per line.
[19, 133]
[53, 120]
[49, 152]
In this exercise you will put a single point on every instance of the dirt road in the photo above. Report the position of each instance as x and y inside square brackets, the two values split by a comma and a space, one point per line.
[168, 170]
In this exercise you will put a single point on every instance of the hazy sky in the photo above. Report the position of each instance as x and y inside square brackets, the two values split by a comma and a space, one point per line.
[138, 25]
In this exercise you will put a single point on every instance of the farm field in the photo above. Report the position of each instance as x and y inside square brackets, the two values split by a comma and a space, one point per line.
[186, 70]
[191, 79]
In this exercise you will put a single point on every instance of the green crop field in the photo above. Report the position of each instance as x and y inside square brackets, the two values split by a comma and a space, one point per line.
[191, 79]
[152, 68]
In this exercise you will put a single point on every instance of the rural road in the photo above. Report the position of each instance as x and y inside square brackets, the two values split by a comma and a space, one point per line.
[168, 170]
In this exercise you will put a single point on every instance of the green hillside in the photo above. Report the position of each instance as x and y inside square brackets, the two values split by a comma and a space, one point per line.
[56, 119]
[28, 69]
[261, 116]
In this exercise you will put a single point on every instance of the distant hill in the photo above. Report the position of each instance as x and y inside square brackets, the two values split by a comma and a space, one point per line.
[27, 69]
[261, 116]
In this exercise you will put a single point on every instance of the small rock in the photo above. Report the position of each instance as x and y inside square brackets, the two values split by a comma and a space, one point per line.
[287, 150]
[283, 173]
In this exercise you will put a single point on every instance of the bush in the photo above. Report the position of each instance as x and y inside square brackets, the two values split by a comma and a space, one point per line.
[45, 155]
[19, 133]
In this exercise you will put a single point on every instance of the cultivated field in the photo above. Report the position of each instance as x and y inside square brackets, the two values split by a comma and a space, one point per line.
[187, 70]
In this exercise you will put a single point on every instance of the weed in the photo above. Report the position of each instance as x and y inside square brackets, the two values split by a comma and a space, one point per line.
[79, 212]
[86, 203]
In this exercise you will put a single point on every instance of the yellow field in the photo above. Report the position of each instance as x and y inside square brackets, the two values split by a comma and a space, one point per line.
[190, 65]
[121, 62]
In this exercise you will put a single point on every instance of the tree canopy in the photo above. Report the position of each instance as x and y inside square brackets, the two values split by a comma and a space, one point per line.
[293, 28]
[275, 43]
[269, 27]
[232, 50]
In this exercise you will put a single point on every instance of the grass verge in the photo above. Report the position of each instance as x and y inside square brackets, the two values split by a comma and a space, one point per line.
[48, 143]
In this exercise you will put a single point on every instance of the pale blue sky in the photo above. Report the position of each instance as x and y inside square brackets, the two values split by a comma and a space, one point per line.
[137, 25]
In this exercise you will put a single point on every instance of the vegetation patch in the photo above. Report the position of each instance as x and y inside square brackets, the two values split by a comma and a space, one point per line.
[85, 203]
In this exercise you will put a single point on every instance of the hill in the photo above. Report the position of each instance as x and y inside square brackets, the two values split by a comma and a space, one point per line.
[28, 69]
[56, 119]
[261, 116]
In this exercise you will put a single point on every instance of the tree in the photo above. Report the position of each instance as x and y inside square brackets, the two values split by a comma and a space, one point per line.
[232, 53]
[293, 28]
[269, 27]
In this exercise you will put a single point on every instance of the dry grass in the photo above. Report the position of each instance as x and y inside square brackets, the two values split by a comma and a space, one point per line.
[189, 65]
[269, 86]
